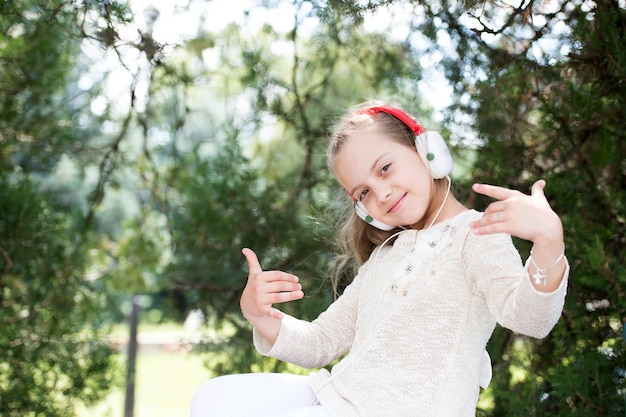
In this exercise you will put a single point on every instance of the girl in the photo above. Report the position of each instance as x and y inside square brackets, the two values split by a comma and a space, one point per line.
[434, 279]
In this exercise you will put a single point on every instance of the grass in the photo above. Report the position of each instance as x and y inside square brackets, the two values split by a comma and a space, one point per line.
[165, 382]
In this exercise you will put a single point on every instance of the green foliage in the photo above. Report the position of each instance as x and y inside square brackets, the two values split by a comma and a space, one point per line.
[51, 318]
[39, 44]
[52, 327]
[36, 59]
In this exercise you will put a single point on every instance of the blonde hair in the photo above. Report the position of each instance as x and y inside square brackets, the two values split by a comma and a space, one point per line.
[357, 239]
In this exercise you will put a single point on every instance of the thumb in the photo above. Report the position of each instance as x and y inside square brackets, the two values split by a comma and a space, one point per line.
[537, 188]
[253, 262]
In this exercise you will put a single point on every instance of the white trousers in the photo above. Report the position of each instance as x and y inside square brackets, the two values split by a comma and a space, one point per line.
[256, 395]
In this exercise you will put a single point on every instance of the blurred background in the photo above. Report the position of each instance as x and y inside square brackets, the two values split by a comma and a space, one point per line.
[144, 143]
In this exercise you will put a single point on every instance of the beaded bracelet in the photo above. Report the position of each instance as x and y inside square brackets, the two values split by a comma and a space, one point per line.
[540, 276]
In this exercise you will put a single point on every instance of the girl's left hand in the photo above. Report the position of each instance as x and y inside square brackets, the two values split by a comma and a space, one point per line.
[528, 217]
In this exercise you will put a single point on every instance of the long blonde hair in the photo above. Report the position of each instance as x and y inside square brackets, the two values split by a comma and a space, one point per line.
[357, 239]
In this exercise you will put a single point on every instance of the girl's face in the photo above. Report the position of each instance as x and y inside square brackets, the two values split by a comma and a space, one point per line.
[389, 178]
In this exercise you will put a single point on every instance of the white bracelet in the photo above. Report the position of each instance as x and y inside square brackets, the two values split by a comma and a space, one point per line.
[540, 276]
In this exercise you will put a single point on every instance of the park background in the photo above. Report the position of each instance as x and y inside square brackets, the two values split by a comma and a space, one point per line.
[144, 143]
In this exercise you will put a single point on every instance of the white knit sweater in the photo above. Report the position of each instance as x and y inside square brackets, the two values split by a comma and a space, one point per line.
[416, 321]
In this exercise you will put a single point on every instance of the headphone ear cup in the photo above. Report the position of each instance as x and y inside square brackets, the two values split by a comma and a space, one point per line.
[361, 211]
[435, 153]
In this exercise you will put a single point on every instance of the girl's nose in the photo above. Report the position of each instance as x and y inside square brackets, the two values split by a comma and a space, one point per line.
[384, 193]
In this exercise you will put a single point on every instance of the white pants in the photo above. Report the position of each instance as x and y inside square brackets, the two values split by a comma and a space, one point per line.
[256, 395]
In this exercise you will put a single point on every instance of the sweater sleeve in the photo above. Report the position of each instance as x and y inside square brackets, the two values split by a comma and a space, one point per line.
[317, 343]
[496, 268]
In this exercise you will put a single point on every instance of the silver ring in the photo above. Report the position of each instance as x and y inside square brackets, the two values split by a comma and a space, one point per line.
[497, 217]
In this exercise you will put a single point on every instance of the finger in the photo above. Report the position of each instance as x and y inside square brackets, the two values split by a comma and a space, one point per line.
[276, 298]
[274, 313]
[253, 262]
[492, 222]
[495, 207]
[282, 297]
[537, 188]
[499, 193]
[277, 277]
[488, 226]
[281, 286]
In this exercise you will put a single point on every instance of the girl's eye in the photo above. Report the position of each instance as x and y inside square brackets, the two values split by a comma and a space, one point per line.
[385, 169]
[363, 194]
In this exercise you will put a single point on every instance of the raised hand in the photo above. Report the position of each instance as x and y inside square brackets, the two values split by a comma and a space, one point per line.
[526, 216]
[265, 288]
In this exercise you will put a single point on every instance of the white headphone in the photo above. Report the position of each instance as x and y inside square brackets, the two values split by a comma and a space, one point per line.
[430, 146]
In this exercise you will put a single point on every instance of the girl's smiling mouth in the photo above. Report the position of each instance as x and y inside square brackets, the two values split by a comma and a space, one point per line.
[396, 206]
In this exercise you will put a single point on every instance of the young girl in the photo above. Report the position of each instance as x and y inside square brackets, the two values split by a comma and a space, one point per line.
[434, 279]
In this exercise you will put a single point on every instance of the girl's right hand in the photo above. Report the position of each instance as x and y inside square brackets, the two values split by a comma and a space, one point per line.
[265, 288]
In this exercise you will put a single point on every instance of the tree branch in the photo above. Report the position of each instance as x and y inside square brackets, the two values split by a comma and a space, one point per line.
[7, 258]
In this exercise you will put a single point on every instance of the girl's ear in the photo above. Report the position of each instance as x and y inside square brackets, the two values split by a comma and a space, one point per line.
[361, 211]
[435, 153]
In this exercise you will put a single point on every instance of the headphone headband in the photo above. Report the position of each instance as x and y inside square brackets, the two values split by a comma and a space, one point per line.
[398, 114]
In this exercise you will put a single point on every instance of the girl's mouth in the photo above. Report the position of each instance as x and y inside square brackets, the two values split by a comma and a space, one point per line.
[396, 206]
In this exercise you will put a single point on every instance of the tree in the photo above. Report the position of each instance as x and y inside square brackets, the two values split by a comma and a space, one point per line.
[55, 351]
[52, 331]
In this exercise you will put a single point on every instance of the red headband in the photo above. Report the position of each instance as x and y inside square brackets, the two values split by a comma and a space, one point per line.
[398, 114]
